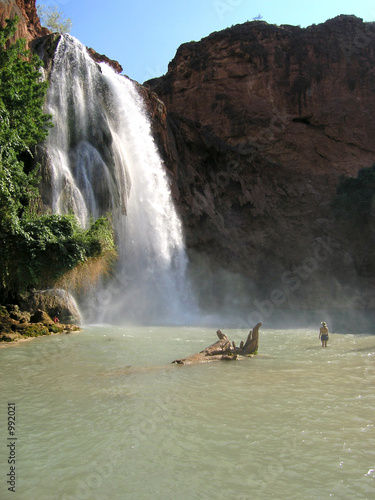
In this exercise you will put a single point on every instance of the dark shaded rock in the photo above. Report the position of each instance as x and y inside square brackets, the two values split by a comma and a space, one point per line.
[103, 58]
[18, 315]
[41, 317]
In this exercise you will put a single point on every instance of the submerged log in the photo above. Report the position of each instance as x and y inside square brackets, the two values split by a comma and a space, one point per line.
[223, 350]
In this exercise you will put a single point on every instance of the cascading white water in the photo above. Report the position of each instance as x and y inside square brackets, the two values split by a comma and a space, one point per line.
[84, 178]
[103, 159]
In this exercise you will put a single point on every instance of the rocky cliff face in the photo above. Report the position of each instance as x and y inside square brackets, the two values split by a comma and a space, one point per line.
[29, 26]
[262, 122]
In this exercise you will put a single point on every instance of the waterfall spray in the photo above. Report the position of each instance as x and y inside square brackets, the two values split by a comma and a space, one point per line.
[103, 159]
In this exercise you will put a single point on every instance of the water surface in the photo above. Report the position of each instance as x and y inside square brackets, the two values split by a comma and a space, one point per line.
[104, 415]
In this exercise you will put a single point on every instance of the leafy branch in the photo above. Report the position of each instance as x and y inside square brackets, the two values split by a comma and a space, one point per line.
[53, 19]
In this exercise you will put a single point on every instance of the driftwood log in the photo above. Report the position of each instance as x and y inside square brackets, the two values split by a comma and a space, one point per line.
[224, 350]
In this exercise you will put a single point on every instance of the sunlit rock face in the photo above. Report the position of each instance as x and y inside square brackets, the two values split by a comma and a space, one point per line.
[261, 123]
[29, 26]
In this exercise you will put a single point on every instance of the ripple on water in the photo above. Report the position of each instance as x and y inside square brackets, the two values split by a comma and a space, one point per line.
[283, 424]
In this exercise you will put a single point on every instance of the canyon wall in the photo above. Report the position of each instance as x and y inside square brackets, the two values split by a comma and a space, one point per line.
[262, 121]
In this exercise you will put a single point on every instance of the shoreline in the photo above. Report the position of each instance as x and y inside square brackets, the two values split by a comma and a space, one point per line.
[23, 338]
[13, 331]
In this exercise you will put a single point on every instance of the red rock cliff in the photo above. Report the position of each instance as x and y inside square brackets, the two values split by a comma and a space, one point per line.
[262, 122]
[29, 26]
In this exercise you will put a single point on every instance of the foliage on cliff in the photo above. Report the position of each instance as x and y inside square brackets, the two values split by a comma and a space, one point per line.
[23, 123]
[53, 19]
[36, 248]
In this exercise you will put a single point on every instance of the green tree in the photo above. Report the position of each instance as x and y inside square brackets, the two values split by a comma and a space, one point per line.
[53, 19]
[36, 249]
[22, 123]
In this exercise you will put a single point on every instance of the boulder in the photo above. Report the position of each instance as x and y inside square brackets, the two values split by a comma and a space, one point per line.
[55, 302]
[18, 315]
[41, 317]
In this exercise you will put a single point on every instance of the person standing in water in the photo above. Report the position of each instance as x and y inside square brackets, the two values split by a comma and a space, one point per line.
[323, 334]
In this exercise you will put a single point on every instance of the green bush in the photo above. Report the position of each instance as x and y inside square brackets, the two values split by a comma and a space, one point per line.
[55, 329]
[48, 246]
[22, 124]
[35, 330]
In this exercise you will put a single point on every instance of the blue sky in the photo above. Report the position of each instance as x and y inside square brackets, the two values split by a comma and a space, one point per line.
[143, 35]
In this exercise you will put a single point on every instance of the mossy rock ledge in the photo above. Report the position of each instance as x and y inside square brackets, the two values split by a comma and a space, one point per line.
[16, 325]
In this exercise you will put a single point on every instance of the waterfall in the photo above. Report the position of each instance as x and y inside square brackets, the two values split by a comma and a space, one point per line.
[102, 159]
